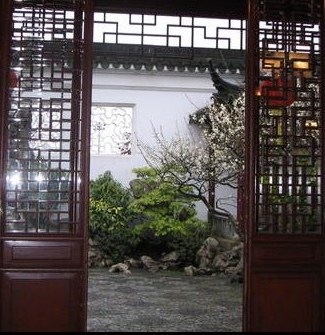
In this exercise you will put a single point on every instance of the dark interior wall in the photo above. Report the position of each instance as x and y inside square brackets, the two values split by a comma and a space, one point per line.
[236, 9]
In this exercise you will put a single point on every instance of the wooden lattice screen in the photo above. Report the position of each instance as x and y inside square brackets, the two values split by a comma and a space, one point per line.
[288, 175]
[44, 143]
[284, 179]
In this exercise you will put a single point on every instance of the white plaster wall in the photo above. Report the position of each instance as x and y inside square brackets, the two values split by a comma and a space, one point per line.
[160, 99]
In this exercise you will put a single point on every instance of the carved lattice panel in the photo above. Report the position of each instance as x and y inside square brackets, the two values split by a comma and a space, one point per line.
[169, 31]
[43, 148]
[288, 179]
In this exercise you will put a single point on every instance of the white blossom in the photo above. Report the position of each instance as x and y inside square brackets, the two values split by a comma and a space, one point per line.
[212, 152]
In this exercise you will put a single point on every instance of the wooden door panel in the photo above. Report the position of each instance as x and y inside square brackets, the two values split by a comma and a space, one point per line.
[286, 252]
[286, 301]
[44, 170]
[284, 284]
[42, 254]
[284, 168]
[41, 301]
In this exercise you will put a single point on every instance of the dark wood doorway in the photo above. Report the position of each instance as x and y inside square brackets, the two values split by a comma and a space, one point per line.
[44, 161]
[284, 282]
[45, 96]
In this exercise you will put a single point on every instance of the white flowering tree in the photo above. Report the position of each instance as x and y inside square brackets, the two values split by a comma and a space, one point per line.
[211, 155]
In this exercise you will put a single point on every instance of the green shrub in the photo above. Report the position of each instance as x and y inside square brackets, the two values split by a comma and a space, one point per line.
[109, 216]
[158, 237]
[151, 218]
[169, 218]
[106, 188]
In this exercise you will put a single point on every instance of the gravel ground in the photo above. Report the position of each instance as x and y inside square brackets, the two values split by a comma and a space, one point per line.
[164, 301]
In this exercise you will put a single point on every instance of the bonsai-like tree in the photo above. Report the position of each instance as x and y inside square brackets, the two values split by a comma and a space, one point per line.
[211, 155]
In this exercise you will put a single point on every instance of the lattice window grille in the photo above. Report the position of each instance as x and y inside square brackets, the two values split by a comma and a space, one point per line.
[169, 31]
[288, 179]
[111, 130]
[43, 160]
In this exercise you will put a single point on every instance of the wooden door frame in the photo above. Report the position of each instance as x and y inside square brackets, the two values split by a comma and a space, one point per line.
[65, 275]
[279, 263]
[228, 9]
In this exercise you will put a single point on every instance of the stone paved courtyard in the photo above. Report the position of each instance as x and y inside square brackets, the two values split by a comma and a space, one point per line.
[162, 302]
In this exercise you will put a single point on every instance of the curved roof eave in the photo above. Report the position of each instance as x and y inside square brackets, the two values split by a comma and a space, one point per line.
[172, 58]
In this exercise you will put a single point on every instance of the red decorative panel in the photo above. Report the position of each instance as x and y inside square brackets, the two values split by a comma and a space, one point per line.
[45, 98]
[40, 301]
[288, 173]
[294, 253]
[284, 171]
[44, 254]
[286, 302]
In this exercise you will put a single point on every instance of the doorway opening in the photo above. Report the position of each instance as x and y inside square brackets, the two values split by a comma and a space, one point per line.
[141, 60]
[46, 104]
[46, 66]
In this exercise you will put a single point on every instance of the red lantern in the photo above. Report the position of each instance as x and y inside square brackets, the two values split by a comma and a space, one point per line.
[276, 92]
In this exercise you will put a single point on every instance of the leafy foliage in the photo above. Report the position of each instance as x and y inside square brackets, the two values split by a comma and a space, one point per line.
[169, 217]
[152, 218]
[109, 216]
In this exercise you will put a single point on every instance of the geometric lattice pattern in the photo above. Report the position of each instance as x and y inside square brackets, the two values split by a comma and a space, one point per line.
[288, 178]
[42, 170]
[111, 130]
[169, 31]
